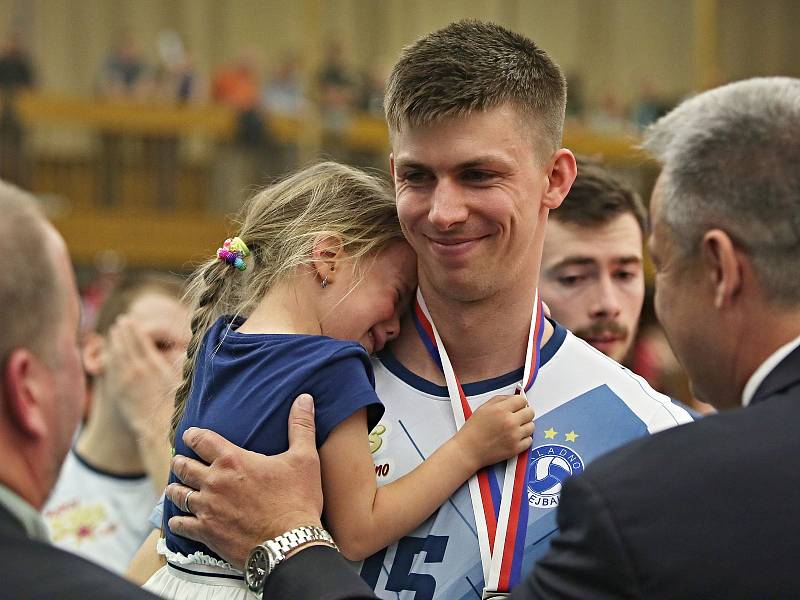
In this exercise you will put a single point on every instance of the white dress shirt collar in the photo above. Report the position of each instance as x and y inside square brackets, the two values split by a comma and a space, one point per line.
[758, 376]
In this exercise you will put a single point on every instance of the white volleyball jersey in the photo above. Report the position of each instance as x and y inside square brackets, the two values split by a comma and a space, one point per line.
[586, 404]
[99, 515]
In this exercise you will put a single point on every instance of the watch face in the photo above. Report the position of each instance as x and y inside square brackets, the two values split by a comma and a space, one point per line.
[256, 569]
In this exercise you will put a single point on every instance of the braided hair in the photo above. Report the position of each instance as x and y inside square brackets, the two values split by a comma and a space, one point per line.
[279, 225]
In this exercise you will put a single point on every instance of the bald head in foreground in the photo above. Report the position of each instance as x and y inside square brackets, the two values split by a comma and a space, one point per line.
[41, 400]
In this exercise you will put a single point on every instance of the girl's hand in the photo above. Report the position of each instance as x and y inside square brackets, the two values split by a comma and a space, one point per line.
[499, 429]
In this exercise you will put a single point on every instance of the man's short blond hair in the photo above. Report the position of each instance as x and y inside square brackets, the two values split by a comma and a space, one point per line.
[473, 66]
[29, 288]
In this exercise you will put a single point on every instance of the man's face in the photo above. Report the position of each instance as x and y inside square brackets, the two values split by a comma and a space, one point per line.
[593, 282]
[469, 194]
[67, 393]
[681, 306]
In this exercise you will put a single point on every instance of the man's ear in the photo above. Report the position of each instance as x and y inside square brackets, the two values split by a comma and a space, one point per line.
[723, 264]
[562, 172]
[391, 165]
[326, 251]
[92, 352]
[27, 384]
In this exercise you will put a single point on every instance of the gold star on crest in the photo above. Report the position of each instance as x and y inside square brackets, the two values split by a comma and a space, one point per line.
[571, 436]
[550, 434]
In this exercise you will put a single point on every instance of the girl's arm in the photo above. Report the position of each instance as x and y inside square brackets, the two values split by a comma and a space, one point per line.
[364, 518]
[146, 561]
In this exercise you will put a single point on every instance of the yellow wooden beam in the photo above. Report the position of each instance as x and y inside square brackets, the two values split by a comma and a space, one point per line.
[125, 117]
[145, 240]
[365, 132]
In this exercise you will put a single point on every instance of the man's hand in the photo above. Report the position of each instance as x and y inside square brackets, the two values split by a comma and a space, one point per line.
[243, 497]
[136, 376]
[142, 384]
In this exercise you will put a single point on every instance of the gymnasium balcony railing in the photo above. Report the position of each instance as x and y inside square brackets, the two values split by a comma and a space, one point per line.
[154, 182]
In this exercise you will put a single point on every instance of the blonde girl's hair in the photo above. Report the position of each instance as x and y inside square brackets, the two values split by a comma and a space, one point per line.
[279, 226]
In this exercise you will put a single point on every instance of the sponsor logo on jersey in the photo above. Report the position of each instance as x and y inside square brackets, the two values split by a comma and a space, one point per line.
[77, 523]
[551, 464]
[376, 439]
[383, 469]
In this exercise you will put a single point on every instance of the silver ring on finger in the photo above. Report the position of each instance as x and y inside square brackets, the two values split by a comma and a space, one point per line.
[186, 508]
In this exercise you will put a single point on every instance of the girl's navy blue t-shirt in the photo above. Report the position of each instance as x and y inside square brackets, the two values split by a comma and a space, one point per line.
[244, 385]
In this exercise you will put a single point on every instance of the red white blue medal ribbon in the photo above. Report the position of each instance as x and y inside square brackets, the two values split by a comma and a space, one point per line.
[501, 522]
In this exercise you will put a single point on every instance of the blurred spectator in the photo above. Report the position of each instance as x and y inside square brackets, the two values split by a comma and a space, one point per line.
[337, 88]
[610, 116]
[650, 106]
[16, 72]
[177, 81]
[118, 466]
[125, 76]
[236, 84]
[16, 67]
[125, 73]
[576, 105]
[98, 285]
[373, 82]
[285, 93]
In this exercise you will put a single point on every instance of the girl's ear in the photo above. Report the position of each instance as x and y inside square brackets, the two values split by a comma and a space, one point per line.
[326, 251]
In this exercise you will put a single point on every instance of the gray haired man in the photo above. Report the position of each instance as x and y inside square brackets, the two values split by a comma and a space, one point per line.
[708, 510]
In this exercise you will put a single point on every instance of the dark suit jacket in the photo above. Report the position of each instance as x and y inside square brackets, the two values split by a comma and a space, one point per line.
[706, 510]
[31, 569]
[317, 573]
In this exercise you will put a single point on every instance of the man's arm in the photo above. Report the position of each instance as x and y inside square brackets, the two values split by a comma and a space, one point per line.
[317, 573]
[142, 385]
[243, 498]
[587, 558]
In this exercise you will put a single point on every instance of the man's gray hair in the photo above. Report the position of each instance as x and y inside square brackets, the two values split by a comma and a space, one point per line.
[731, 160]
[30, 292]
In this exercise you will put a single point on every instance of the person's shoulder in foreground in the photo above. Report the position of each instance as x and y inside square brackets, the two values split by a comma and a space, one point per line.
[708, 510]
[335, 579]
[41, 401]
[713, 484]
[33, 569]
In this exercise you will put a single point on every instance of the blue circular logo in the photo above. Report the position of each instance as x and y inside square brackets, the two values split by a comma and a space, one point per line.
[551, 464]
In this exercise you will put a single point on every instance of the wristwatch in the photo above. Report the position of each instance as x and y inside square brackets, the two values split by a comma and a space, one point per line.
[265, 557]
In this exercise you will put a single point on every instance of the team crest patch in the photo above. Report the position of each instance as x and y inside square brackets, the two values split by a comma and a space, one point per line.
[551, 464]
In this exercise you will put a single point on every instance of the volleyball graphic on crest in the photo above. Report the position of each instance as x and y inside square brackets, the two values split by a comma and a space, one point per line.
[551, 471]
[551, 464]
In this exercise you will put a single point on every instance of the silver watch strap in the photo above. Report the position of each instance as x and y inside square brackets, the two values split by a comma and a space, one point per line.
[269, 554]
[299, 536]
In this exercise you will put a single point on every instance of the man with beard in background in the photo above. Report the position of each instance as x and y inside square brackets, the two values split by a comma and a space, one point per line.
[592, 266]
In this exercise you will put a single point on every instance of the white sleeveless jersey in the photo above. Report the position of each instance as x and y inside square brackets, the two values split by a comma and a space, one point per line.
[98, 515]
[585, 404]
